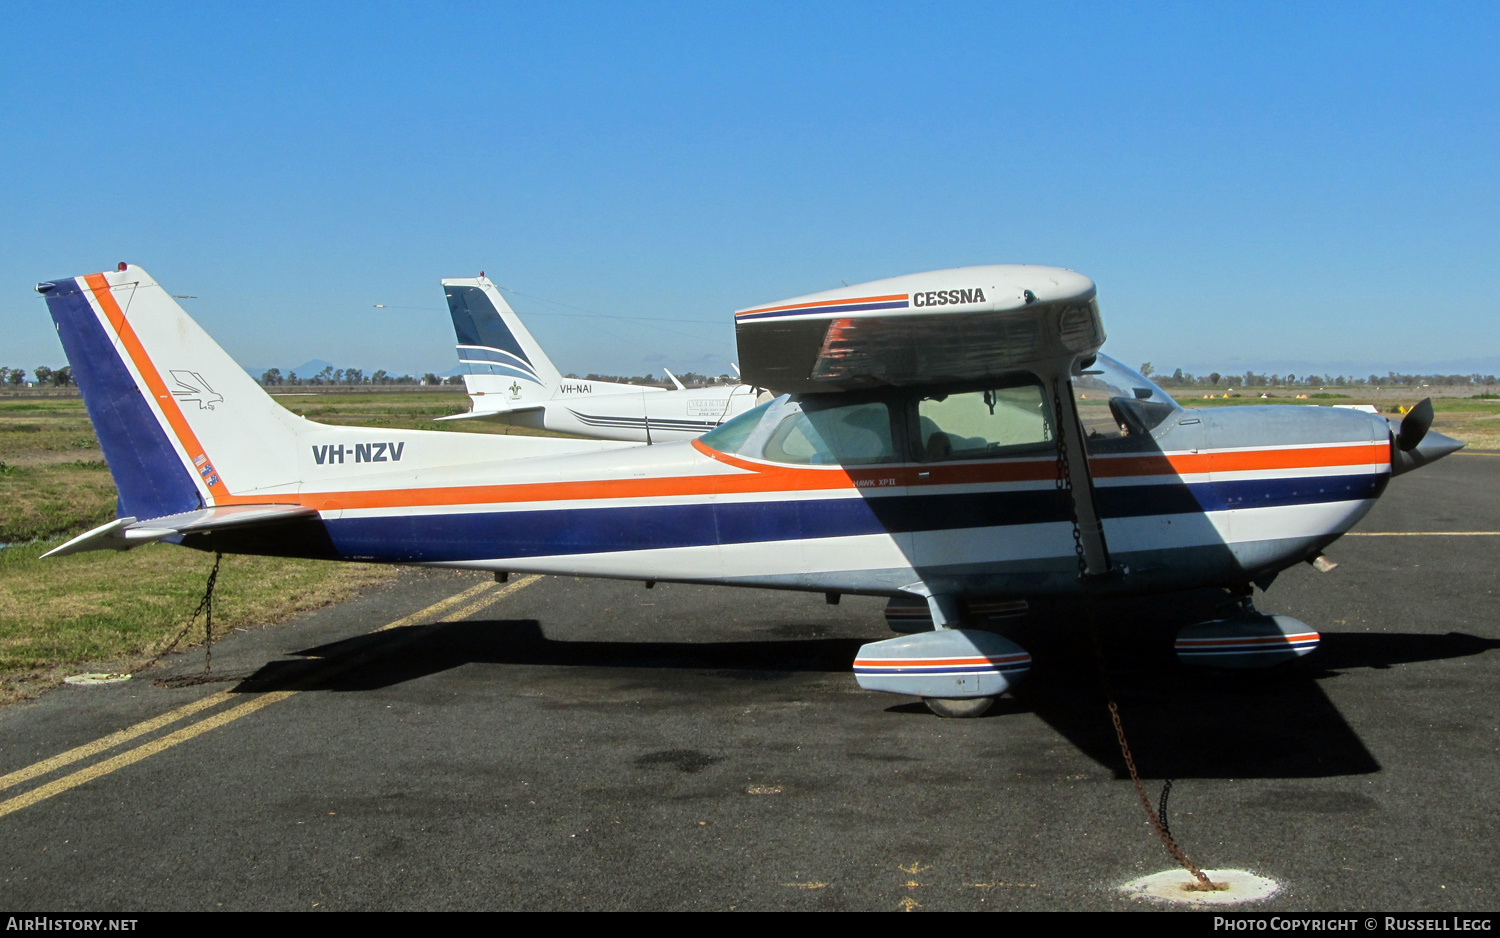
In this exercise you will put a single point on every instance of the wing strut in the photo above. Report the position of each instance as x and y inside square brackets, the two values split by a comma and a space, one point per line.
[1074, 459]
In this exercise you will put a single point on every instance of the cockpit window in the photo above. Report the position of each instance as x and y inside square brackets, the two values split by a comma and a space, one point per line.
[844, 435]
[984, 424]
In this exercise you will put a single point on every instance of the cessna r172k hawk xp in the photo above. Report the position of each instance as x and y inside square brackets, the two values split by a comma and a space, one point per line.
[952, 440]
[511, 380]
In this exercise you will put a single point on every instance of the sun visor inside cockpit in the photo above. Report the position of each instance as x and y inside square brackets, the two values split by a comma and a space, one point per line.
[939, 327]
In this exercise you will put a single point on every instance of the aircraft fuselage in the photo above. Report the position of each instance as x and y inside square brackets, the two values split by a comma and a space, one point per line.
[1212, 497]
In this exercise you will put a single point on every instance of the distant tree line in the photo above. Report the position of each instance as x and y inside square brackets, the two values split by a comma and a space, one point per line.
[45, 377]
[345, 377]
[689, 378]
[1250, 379]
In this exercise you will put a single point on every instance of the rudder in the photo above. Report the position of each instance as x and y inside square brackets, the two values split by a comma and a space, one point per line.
[175, 415]
[150, 479]
[497, 352]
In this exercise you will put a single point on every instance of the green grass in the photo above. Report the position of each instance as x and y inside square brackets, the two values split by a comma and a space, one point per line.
[37, 438]
[416, 410]
[52, 500]
[106, 610]
[111, 611]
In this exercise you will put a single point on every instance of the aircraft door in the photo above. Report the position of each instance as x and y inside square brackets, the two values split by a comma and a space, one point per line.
[985, 482]
[836, 510]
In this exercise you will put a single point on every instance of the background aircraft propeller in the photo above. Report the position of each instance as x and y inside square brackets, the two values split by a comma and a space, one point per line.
[1415, 426]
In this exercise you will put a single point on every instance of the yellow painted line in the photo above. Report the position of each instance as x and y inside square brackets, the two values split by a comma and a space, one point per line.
[111, 741]
[1423, 534]
[484, 601]
[465, 611]
[437, 607]
[132, 756]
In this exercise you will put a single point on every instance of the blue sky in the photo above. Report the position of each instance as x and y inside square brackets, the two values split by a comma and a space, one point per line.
[1268, 186]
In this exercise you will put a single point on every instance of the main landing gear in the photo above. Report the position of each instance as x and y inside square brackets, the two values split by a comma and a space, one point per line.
[959, 707]
[958, 673]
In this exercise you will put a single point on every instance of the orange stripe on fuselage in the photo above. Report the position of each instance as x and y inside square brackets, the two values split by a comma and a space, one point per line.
[186, 438]
[1316, 457]
[766, 478]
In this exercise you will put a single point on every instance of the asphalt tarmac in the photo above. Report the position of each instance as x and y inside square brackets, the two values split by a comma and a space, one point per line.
[573, 744]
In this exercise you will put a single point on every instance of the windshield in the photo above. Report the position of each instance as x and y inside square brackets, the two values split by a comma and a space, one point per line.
[730, 435]
[1116, 402]
[1107, 378]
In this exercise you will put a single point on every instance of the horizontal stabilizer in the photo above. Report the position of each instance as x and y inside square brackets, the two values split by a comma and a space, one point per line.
[481, 414]
[125, 533]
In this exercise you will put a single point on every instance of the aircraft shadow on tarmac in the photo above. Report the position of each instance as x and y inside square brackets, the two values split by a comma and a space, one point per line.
[1182, 722]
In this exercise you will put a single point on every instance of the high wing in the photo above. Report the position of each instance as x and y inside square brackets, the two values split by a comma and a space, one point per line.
[948, 326]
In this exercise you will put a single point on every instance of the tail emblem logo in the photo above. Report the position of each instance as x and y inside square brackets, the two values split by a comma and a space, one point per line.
[515, 391]
[192, 387]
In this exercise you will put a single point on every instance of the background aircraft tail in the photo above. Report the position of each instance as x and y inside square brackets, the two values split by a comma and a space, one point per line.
[163, 397]
[504, 366]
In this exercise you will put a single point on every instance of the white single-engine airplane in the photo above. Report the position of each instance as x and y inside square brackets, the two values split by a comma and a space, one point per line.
[511, 380]
[952, 440]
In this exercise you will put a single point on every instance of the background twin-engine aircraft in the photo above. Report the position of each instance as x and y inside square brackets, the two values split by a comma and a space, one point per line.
[952, 440]
[510, 379]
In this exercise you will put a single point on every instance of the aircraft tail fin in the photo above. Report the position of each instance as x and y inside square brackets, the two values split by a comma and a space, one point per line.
[162, 396]
[504, 366]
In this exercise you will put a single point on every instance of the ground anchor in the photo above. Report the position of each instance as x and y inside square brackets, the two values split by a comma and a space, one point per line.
[1231, 887]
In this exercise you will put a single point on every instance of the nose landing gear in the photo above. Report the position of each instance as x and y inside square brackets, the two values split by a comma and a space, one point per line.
[1246, 639]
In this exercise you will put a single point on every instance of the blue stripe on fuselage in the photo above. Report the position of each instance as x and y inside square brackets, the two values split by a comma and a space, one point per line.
[559, 531]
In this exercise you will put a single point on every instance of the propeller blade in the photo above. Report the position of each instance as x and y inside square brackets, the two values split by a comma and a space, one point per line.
[1418, 421]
